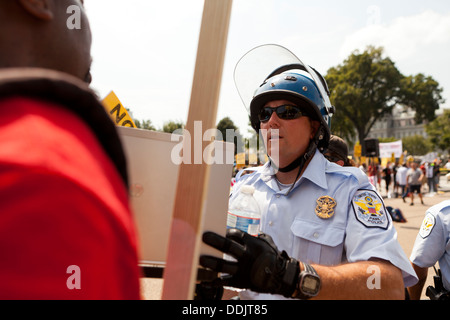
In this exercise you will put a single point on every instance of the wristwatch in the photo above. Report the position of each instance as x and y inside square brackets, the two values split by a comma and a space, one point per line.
[308, 285]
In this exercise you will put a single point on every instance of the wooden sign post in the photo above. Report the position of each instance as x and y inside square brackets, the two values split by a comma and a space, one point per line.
[184, 240]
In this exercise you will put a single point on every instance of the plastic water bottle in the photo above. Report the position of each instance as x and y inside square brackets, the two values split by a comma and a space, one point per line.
[244, 213]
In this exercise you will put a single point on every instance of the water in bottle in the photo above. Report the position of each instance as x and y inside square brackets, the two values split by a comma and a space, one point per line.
[244, 213]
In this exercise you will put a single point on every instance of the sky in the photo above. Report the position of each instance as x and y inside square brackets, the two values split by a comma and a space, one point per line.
[145, 50]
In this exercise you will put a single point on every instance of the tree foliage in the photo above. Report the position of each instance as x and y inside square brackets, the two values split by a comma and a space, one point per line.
[364, 89]
[232, 135]
[417, 145]
[439, 131]
[423, 95]
[367, 86]
[144, 124]
[224, 124]
[171, 126]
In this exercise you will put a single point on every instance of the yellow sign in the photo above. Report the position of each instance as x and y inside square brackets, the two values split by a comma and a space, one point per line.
[253, 158]
[240, 159]
[117, 112]
[357, 150]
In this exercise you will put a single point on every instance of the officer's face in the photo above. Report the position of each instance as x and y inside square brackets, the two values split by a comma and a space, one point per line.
[293, 138]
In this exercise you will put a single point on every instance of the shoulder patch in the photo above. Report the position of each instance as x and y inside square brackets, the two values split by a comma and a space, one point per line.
[369, 209]
[427, 225]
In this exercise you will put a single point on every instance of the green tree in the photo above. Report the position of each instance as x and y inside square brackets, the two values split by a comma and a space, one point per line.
[171, 126]
[439, 131]
[232, 135]
[417, 145]
[364, 89]
[144, 124]
[367, 86]
[423, 95]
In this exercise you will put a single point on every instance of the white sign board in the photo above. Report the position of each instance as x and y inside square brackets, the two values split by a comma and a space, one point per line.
[387, 149]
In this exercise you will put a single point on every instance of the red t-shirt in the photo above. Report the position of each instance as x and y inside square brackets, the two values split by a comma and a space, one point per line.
[62, 204]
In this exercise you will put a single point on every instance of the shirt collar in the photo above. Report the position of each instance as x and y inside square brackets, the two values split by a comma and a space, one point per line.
[314, 172]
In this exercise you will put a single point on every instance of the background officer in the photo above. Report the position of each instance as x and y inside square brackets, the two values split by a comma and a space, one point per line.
[432, 245]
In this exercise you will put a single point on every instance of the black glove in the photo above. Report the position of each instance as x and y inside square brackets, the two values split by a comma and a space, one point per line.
[260, 266]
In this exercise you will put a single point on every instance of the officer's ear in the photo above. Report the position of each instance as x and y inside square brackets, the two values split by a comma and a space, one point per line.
[40, 9]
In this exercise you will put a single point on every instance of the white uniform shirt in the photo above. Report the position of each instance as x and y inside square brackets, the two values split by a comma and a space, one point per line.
[429, 170]
[401, 175]
[433, 241]
[358, 228]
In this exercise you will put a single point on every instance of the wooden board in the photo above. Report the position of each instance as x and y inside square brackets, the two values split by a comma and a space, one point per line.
[185, 234]
[153, 176]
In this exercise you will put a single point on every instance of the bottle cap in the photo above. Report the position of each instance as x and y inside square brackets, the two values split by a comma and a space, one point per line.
[248, 189]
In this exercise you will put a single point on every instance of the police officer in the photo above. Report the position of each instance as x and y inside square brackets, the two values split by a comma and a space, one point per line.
[337, 152]
[326, 231]
[432, 245]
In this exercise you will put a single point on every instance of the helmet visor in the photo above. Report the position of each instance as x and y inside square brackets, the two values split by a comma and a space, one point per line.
[264, 62]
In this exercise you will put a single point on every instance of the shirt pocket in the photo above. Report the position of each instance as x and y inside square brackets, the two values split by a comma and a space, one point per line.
[320, 243]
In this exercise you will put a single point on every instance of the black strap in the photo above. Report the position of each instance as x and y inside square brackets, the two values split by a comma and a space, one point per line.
[298, 163]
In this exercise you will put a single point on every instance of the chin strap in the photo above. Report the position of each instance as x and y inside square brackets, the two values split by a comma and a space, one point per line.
[300, 161]
[297, 163]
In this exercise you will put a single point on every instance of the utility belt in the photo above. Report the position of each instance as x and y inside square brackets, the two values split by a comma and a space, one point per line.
[438, 292]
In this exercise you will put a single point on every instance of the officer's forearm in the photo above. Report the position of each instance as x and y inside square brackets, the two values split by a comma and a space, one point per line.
[415, 291]
[361, 280]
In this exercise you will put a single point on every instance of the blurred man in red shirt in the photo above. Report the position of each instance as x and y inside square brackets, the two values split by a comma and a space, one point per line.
[66, 230]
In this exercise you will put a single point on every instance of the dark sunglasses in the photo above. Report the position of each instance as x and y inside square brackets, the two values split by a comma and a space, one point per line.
[285, 112]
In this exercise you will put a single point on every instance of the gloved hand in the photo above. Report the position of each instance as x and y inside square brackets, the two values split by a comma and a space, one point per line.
[260, 266]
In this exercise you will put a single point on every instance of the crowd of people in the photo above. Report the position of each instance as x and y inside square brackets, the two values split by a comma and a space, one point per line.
[394, 179]
[405, 179]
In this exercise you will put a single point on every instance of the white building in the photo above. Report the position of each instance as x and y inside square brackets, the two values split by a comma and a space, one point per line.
[399, 124]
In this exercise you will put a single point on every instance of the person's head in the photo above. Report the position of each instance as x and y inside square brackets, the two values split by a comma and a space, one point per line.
[292, 137]
[291, 103]
[414, 165]
[36, 33]
[337, 151]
